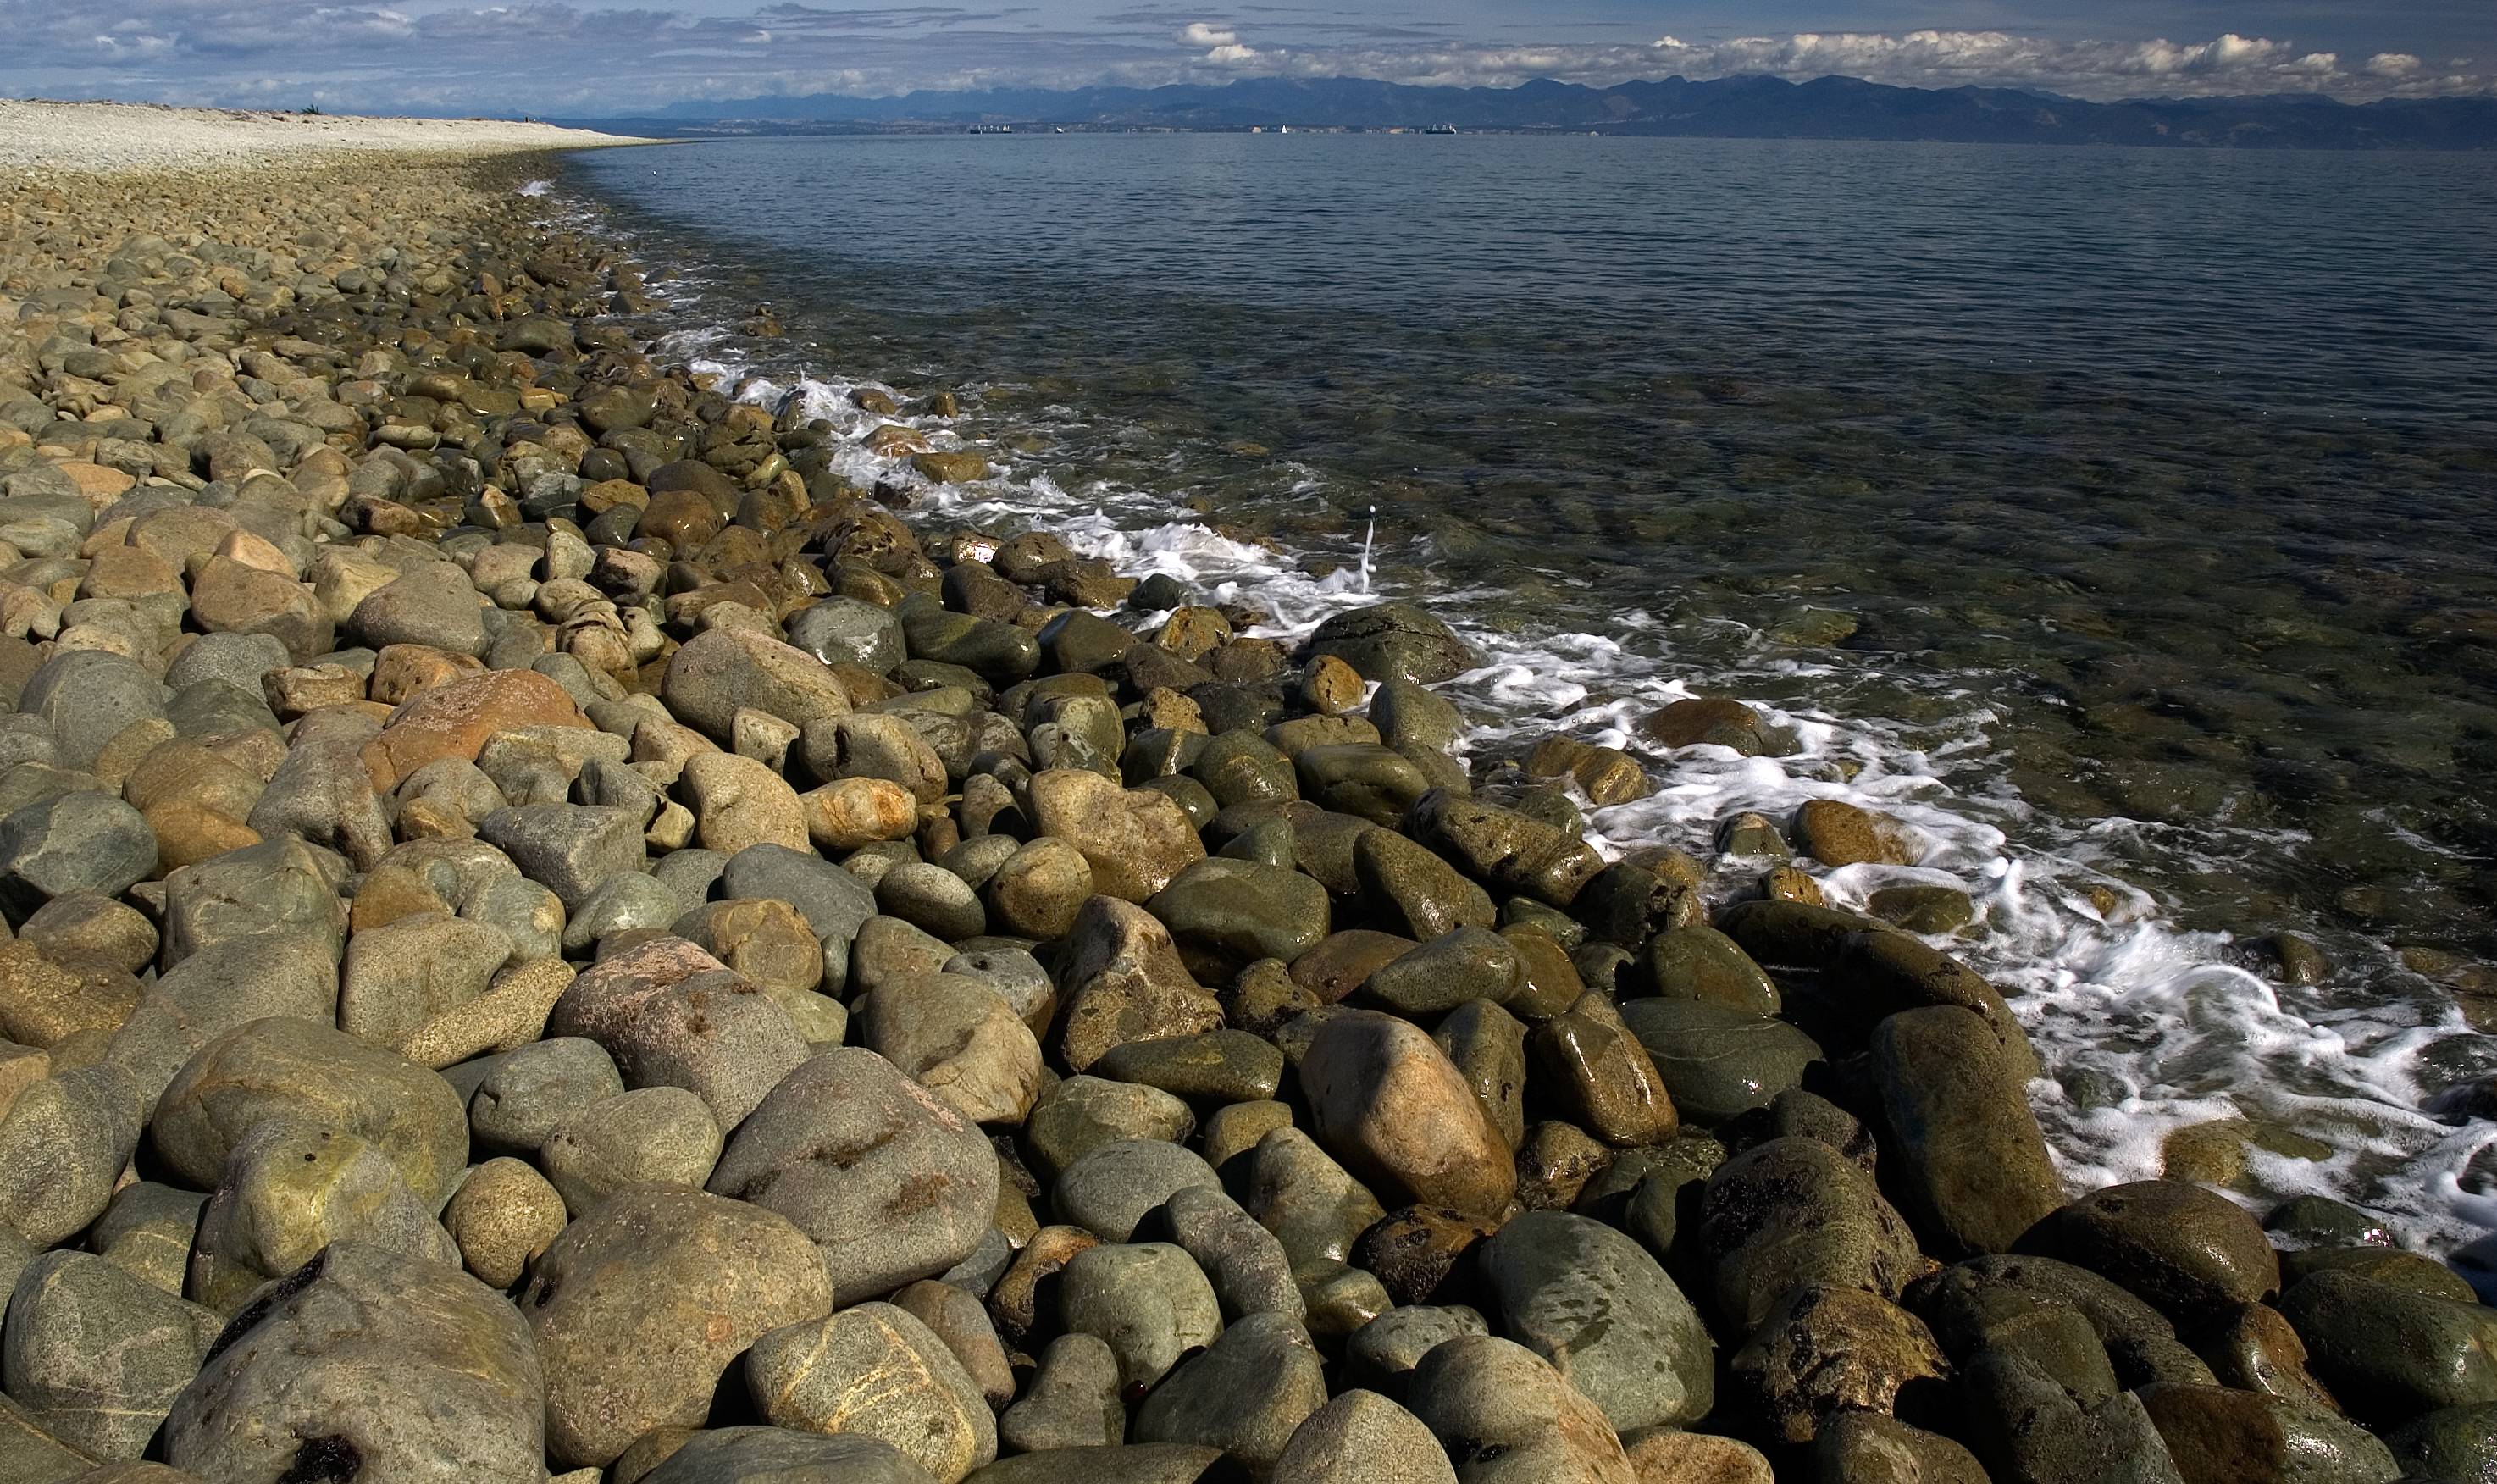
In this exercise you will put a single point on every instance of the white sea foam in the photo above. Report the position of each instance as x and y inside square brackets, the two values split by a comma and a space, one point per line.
[2145, 1027]
[537, 188]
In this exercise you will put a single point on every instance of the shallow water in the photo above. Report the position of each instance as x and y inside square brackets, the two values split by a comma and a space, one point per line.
[2117, 518]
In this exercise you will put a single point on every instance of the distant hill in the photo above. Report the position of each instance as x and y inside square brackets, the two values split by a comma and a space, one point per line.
[1748, 108]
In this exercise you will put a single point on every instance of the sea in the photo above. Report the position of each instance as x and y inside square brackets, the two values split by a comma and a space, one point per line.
[2123, 520]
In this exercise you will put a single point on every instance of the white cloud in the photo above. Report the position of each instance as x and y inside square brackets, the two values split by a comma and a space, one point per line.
[548, 56]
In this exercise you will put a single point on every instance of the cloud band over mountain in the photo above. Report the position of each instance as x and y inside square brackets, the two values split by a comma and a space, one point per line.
[427, 55]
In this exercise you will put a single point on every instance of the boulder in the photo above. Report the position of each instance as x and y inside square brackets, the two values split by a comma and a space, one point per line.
[891, 1185]
[315, 1378]
[641, 1306]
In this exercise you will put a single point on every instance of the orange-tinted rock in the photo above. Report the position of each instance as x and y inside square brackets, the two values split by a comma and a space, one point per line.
[457, 719]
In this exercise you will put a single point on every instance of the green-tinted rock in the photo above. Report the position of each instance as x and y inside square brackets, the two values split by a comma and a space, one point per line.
[1717, 1061]
[1594, 1304]
[1394, 641]
[1964, 1150]
[1705, 965]
[2389, 1353]
[1217, 1066]
[1226, 914]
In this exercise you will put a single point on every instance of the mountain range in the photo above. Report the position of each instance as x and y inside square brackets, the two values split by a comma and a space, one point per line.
[1745, 106]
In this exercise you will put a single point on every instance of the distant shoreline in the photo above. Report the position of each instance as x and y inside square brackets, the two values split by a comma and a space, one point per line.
[89, 138]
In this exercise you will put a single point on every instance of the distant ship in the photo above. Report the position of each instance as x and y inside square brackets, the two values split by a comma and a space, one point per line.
[1441, 129]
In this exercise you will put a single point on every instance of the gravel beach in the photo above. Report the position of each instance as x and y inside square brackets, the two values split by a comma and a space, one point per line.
[121, 137]
[550, 931]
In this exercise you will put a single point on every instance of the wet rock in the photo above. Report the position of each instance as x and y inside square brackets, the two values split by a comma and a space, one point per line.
[1719, 1063]
[1438, 977]
[2389, 1353]
[1925, 910]
[1217, 1066]
[1395, 641]
[1964, 1150]
[1384, 1099]
[1594, 1304]
[1791, 1211]
[1865, 1446]
[1713, 721]
[1224, 914]
[891, 1183]
[1505, 849]
[2457, 1443]
[1412, 890]
[874, 1371]
[1703, 964]
[1830, 1350]
[314, 1376]
[2214, 1432]
[1838, 833]
[2027, 1427]
[2193, 1255]
[1487, 1046]
[639, 1306]
[1592, 1065]
[1969, 1304]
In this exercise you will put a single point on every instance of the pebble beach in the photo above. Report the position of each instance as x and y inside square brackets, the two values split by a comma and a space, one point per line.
[553, 931]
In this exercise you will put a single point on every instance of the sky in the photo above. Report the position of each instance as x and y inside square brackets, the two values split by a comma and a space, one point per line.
[589, 59]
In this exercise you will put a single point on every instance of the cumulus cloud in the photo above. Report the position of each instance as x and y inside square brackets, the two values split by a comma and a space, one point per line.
[545, 56]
